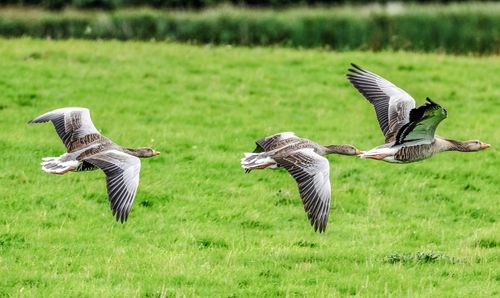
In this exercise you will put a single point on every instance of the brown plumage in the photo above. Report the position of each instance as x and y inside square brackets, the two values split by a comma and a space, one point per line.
[409, 131]
[305, 161]
[88, 150]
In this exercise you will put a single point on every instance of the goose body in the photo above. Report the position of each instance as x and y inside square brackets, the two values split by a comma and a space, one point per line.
[406, 153]
[409, 131]
[88, 150]
[305, 161]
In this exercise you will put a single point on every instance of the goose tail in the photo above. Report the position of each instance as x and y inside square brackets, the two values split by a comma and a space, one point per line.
[254, 161]
[54, 165]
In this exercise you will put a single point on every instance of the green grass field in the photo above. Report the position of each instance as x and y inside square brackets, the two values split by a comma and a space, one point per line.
[200, 226]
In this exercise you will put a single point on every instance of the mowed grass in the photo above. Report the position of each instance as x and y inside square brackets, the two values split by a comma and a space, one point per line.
[200, 226]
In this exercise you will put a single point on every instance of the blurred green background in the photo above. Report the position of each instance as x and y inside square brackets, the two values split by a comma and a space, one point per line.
[460, 28]
[196, 4]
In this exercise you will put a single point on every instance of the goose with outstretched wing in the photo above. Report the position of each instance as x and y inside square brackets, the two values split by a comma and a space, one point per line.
[409, 132]
[305, 161]
[88, 150]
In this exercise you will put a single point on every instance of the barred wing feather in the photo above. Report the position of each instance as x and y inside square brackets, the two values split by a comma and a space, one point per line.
[122, 178]
[312, 174]
[73, 125]
[392, 104]
[423, 123]
[274, 141]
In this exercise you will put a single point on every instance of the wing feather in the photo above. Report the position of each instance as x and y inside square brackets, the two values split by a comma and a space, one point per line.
[312, 174]
[275, 141]
[122, 179]
[423, 123]
[392, 104]
[86, 166]
[73, 125]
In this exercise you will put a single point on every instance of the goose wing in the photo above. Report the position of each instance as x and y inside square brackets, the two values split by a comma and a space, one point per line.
[73, 125]
[392, 104]
[422, 125]
[85, 166]
[274, 141]
[122, 179]
[312, 174]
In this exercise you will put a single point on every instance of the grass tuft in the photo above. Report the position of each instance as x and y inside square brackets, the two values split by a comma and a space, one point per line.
[419, 258]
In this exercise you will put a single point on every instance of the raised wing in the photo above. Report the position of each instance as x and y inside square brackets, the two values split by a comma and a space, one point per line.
[122, 178]
[422, 125]
[73, 125]
[275, 141]
[392, 104]
[312, 174]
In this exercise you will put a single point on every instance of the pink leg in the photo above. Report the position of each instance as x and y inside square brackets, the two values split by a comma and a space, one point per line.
[376, 156]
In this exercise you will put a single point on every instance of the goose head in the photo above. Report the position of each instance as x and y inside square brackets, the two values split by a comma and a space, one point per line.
[143, 152]
[475, 145]
[343, 149]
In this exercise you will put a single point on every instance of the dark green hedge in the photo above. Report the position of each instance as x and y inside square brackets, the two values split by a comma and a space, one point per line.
[453, 32]
[113, 4]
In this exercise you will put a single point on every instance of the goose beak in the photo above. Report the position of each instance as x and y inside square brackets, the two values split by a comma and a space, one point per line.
[359, 152]
[156, 152]
[484, 146]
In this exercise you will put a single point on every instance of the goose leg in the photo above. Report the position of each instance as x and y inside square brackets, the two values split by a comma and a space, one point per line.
[376, 156]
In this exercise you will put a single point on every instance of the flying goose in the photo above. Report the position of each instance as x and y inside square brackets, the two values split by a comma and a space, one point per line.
[305, 161]
[88, 150]
[409, 131]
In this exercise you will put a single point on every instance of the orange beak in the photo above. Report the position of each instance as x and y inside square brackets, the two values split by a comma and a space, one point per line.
[156, 152]
[359, 152]
[484, 146]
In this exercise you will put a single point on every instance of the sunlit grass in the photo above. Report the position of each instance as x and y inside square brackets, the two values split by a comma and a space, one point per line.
[199, 225]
